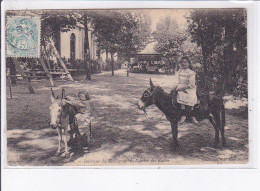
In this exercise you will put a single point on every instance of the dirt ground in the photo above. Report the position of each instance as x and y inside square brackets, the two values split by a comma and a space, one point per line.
[122, 135]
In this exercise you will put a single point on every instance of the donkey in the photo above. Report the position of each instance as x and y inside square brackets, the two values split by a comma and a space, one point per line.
[62, 117]
[211, 107]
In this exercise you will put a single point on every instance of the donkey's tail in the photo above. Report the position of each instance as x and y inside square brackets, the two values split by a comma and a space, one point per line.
[90, 129]
[223, 116]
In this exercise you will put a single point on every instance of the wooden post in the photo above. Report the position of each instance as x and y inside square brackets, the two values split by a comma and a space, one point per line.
[12, 72]
[61, 62]
[10, 86]
[127, 70]
[20, 70]
[46, 57]
[47, 72]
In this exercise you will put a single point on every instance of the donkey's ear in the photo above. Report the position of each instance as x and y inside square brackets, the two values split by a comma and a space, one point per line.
[52, 92]
[151, 84]
[62, 93]
[52, 99]
[52, 96]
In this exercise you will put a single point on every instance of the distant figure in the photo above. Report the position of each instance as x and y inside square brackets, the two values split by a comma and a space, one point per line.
[186, 88]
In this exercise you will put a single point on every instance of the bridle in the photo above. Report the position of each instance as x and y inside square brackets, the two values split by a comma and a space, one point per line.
[60, 117]
[148, 93]
[60, 122]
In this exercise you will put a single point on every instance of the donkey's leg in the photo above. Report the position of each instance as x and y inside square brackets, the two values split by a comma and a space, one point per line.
[174, 126]
[222, 127]
[65, 141]
[215, 122]
[59, 139]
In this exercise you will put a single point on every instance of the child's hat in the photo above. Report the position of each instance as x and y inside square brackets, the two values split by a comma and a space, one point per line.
[86, 94]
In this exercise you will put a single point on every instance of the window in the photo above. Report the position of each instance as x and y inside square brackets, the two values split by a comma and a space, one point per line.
[72, 46]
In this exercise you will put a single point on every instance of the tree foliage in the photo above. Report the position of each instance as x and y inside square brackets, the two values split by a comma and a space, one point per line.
[120, 32]
[222, 36]
[169, 39]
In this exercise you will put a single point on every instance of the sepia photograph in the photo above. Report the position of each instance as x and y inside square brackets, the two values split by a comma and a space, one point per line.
[126, 87]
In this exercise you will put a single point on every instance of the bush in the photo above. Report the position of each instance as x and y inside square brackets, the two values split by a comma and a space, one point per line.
[81, 64]
[241, 90]
[108, 65]
[75, 64]
[95, 66]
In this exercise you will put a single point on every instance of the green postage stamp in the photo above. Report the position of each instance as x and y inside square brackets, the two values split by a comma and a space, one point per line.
[23, 36]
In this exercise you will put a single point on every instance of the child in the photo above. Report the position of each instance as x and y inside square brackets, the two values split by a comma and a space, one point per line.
[186, 89]
[82, 119]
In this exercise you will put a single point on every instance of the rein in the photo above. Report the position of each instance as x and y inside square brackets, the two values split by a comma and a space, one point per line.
[150, 94]
[149, 119]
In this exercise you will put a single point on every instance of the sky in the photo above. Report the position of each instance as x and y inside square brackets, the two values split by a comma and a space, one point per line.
[157, 14]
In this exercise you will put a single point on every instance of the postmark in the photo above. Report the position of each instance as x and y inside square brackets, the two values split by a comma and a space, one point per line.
[23, 36]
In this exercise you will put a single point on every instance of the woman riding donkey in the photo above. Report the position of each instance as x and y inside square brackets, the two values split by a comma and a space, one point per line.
[82, 122]
[186, 87]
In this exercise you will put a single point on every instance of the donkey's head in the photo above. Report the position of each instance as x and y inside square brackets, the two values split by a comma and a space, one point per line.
[56, 109]
[147, 98]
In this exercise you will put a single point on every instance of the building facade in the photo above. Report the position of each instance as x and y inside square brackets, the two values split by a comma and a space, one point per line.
[72, 44]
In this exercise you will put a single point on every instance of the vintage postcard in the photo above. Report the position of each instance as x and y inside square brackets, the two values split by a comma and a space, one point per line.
[126, 87]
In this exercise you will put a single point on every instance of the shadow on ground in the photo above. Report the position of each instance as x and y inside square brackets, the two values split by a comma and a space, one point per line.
[120, 130]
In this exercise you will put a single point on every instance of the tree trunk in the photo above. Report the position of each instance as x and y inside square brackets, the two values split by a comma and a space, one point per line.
[228, 54]
[205, 69]
[112, 63]
[128, 64]
[106, 55]
[20, 70]
[88, 69]
[98, 54]
[87, 52]
[12, 73]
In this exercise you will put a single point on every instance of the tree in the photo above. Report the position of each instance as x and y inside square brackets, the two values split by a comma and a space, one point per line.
[106, 27]
[121, 32]
[86, 46]
[206, 32]
[169, 39]
[54, 22]
[135, 33]
[221, 34]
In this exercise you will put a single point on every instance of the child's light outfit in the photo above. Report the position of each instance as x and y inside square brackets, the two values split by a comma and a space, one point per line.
[186, 79]
[187, 96]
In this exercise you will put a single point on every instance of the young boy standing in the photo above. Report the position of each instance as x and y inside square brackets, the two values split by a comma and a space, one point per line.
[82, 119]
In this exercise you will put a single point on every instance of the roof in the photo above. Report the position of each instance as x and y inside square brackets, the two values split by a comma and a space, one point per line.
[149, 57]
